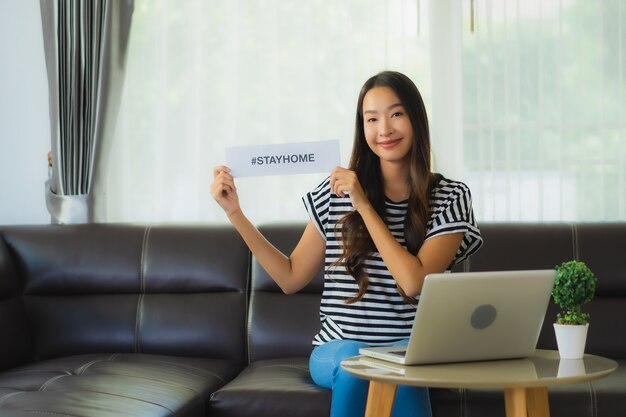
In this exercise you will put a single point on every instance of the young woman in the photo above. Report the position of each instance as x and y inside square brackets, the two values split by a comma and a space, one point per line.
[378, 228]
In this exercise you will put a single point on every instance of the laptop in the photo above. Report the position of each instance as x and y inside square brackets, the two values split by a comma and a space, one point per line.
[474, 316]
[522, 368]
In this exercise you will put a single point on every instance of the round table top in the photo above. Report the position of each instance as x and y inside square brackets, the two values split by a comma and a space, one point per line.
[543, 369]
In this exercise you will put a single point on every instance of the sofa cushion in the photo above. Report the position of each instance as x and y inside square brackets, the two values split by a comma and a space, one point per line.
[272, 388]
[114, 385]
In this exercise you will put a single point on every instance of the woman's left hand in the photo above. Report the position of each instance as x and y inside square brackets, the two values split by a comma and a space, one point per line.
[344, 182]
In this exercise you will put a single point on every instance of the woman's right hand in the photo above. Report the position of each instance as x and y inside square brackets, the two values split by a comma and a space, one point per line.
[224, 191]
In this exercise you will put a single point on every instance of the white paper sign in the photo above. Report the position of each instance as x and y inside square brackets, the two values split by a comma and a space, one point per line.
[283, 159]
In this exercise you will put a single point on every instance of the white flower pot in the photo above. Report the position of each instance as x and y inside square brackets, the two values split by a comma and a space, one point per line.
[571, 340]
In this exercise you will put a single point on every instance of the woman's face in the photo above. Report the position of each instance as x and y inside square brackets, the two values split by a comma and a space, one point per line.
[387, 126]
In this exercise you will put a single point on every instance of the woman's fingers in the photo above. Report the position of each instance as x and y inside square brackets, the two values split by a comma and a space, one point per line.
[342, 181]
[219, 169]
[220, 189]
[223, 182]
[335, 177]
[222, 175]
[342, 188]
[345, 183]
[223, 189]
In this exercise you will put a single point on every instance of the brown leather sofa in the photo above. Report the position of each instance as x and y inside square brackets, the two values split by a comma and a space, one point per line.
[133, 320]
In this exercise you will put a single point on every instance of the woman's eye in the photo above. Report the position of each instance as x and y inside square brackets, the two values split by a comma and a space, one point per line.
[371, 119]
[397, 114]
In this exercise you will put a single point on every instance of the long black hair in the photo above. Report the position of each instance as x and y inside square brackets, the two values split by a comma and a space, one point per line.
[356, 241]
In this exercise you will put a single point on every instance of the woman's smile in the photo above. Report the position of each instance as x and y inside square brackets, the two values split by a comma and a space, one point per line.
[389, 143]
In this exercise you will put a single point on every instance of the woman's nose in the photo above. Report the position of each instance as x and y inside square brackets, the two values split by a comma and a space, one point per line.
[385, 128]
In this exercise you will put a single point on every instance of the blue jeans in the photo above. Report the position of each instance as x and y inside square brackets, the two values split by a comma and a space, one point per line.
[350, 392]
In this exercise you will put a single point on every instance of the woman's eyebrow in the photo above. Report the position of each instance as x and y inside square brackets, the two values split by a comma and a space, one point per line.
[388, 108]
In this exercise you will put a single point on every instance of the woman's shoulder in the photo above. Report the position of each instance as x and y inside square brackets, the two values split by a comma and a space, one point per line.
[317, 203]
[446, 188]
[322, 188]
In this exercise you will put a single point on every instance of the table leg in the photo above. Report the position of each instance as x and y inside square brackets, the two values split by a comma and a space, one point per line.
[537, 402]
[380, 399]
[515, 402]
[526, 402]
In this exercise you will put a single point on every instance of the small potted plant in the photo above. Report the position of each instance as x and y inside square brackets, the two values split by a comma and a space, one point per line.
[574, 286]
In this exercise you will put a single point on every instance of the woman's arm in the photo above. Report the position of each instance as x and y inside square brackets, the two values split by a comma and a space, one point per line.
[291, 273]
[408, 270]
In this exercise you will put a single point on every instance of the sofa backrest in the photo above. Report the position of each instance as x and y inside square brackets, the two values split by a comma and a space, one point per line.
[603, 247]
[281, 324]
[194, 290]
[16, 347]
[122, 288]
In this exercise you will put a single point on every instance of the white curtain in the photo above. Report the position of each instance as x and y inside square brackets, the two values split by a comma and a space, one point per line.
[545, 109]
[537, 87]
[85, 46]
[203, 75]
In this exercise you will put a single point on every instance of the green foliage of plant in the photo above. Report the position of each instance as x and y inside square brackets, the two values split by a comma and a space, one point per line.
[574, 286]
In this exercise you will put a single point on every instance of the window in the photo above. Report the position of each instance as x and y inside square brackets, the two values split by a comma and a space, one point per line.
[543, 135]
[544, 110]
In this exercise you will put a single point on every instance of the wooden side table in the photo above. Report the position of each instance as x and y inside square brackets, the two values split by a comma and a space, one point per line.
[525, 381]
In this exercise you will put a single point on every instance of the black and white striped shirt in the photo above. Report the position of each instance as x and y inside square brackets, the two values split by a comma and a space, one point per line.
[382, 316]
